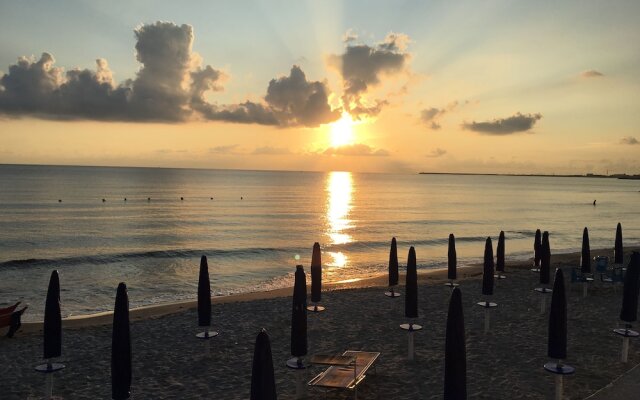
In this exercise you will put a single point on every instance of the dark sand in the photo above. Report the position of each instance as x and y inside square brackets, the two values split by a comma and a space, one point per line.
[169, 362]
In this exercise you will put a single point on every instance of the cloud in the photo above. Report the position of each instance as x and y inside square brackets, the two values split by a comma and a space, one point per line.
[504, 126]
[171, 86]
[358, 149]
[437, 152]
[431, 116]
[629, 140]
[362, 67]
[297, 101]
[592, 73]
[271, 151]
[228, 149]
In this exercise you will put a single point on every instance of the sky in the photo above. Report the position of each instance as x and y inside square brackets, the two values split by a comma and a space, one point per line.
[365, 86]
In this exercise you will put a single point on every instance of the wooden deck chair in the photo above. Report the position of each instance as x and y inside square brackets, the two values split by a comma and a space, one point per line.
[345, 372]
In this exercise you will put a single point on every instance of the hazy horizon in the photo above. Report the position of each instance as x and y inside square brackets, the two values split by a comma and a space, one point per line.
[316, 171]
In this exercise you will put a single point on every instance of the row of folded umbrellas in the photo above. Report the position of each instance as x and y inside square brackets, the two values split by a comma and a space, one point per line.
[263, 383]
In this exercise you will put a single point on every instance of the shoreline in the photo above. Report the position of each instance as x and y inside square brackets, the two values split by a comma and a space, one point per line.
[431, 276]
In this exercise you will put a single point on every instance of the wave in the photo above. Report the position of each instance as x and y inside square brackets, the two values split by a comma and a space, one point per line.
[160, 254]
[240, 253]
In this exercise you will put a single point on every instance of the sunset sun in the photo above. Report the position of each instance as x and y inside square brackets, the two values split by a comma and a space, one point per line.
[342, 131]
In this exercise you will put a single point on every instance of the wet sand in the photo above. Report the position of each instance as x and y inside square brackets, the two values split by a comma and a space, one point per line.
[169, 362]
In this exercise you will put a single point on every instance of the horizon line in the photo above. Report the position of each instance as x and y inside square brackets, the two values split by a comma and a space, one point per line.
[585, 175]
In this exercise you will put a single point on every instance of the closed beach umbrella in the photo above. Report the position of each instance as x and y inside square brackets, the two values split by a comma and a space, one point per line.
[452, 258]
[299, 314]
[585, 259]
[121, 347]
[411, 297]
[500, 253]
[629, 312]
[537, 246]
[455, 354]
[393, 263]
[316, 273]
[618, 252]
[487, 275]
[53, 319]
[557, 344]
[204, 294]
[545, 260]
[263, 382]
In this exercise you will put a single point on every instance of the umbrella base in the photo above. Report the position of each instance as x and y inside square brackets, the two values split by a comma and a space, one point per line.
[296, 363]
[207, 335]
[48, 368]
[543, 290]
[315, 308]
[559, 369]
[487, 304]
[535, 269]
[500, 276]
[451, 284]
[411, 327]
[626, 332]
[392, 294]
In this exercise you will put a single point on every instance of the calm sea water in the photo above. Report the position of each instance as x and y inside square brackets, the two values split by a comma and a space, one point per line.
[255, 226]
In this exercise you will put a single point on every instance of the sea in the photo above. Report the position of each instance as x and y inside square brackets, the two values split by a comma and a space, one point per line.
[148, 227]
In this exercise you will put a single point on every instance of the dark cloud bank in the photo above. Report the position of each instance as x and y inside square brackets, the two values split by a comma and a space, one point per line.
[169, 87]
[629, 140]
[504, 126]
[362, 67]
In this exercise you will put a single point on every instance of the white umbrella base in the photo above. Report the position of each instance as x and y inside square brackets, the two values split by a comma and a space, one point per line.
[411, 327]
[51, 367]
[207, 335]
[296, 363]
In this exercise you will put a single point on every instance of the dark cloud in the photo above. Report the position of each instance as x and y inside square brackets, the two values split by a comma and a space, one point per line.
[163, 89]
[437, 152]
[362, 67]
[270, 151]
[431, 116]
[170, 86]
[244, 113]
[592, 73]
[504, 126]
[297, 101]
[357, 149]
[629, 140]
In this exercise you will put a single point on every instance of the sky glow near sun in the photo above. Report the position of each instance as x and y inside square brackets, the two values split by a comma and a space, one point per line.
[342, 131]
[331, 85]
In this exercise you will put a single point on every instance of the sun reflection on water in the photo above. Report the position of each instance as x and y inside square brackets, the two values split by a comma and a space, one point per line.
[339, 189]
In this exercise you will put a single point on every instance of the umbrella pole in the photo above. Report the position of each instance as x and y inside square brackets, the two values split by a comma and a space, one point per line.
[559, 387]
[625, 348]
[48, 390]
[301, 388]
[487, 318]
[411, 346]
[207, 349]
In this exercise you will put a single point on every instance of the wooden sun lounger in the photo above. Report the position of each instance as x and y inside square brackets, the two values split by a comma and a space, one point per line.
[346, 371]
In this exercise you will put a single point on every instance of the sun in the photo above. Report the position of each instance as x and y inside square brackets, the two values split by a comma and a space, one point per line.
[342, 131]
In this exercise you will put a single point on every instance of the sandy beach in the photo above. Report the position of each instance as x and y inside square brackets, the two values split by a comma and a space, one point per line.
[169, 362]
